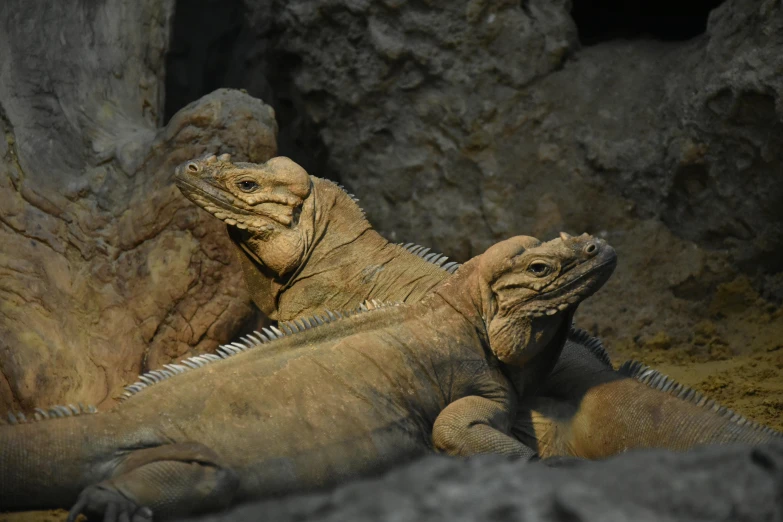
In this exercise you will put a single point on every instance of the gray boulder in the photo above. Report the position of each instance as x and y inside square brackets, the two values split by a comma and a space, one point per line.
[710, 485]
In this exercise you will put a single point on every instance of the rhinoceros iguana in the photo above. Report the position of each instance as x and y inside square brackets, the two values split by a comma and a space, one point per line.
[305, 245]
[329, 397]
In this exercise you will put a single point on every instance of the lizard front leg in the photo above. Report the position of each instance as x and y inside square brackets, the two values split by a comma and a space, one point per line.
[166, 481]
[474, 425]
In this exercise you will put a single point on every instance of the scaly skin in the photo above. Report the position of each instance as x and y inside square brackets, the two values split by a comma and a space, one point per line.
[607, 412]
[320, 405]
[308, 247]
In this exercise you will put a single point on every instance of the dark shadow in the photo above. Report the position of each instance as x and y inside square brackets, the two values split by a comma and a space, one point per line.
[213, 45]
[667, 20]
[203, 35]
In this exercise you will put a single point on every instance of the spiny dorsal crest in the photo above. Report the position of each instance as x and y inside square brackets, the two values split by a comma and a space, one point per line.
[54, 412]
[434, 258]
[593, 344]
[354, 198]
[351, 196]
[658, 381]
[253, 340]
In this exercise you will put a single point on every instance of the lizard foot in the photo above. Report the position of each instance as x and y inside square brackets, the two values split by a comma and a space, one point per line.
[108, 504]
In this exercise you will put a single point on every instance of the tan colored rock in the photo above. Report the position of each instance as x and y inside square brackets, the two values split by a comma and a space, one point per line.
[105, 269]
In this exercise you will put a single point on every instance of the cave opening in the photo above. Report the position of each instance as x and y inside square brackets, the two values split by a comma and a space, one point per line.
[666, 20]
[203, 34]
[217, 43]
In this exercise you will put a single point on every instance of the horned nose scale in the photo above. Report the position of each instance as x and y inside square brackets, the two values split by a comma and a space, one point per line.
[565, 236]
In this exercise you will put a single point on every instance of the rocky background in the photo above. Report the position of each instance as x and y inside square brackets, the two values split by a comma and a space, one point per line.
[458, 123]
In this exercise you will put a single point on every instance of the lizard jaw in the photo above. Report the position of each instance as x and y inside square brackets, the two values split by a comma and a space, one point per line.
[240, 221]
[515, 340]
[573, 292]
[226, 208]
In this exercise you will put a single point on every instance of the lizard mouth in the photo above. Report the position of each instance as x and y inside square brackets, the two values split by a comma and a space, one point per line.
[582, 282]
[224, 206]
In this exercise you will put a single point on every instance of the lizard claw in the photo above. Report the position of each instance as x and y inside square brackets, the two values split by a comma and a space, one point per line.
[98, 501]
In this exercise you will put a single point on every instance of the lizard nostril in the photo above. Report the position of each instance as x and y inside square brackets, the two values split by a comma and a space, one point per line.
[591, 249]
[192, 167]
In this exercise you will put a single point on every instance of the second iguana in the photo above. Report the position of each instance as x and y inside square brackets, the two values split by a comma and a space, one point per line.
[319, 400]
[305, 245]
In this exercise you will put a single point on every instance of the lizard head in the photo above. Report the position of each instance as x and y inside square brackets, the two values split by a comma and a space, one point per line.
[261, 204]
[532, 290]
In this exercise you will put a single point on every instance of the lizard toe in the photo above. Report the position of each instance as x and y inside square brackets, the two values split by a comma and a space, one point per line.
[101, 503]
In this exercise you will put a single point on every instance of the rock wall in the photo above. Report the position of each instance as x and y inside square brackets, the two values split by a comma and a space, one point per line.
[105, 269]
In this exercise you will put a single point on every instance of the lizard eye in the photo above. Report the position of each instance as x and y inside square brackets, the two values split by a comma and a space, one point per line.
[247, 185]
[539, 268]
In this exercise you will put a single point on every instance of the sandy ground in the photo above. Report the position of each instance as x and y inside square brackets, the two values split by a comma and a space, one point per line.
[56, 515]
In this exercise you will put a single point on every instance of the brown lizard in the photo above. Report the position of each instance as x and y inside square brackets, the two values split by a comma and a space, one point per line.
[318, 400]
[305, 245]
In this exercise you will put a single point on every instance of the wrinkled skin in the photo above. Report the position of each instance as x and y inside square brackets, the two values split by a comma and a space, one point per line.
[521, 308]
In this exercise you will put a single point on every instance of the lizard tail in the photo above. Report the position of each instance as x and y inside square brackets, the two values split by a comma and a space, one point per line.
[630, 413]
[729, 426]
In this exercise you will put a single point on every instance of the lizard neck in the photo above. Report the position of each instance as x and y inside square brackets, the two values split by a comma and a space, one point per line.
[350, 262]
[468, 296]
